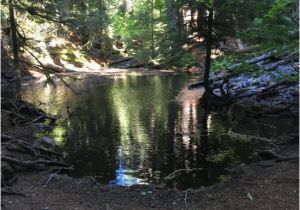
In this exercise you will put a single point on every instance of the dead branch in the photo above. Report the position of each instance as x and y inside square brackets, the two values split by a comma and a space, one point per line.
[50, 178]
[245, 137]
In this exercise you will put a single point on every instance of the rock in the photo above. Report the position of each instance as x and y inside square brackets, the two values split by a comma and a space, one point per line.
[194, 70]
[217, 92]
[47, 140]
[39, 127]
[27, 78]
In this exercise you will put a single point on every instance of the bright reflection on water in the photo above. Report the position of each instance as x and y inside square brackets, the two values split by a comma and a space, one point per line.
[137, 130]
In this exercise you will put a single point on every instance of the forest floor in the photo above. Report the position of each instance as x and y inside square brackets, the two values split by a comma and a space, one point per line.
[263, 185]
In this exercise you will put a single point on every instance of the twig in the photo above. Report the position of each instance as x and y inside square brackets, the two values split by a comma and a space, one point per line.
[185, 198]
[44, 69]
[50, 178]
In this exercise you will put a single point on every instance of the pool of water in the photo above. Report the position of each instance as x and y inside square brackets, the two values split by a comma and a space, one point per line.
[138, 129]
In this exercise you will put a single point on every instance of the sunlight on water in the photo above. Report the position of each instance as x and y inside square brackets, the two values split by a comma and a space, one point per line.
[124, 176]
[137, 130]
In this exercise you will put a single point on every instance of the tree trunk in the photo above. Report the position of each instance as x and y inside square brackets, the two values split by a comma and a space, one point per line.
[101, 9]
[208, 51]
[15, 45]
[152, 29]
[172, 16]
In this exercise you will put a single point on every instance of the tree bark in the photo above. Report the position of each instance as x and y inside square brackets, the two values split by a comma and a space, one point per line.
[152, 29]
[15, 45]
[208, 50]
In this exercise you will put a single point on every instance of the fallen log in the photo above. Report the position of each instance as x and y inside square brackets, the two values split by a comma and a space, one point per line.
[138, 65]
[120, 61]
[224, 75]
[253, 60]
[284, 60]
[286, 83]
[261, 57]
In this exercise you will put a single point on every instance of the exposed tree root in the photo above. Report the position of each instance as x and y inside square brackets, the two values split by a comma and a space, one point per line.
[10, 191]
[34, 164]
[282, 159]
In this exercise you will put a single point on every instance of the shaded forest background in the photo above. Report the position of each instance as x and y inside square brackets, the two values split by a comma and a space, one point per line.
[169, 32]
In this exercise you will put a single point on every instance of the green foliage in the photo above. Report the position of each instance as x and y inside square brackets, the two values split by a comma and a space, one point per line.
[273, 27]
[147, 31]
[144, 30]
[223, 62]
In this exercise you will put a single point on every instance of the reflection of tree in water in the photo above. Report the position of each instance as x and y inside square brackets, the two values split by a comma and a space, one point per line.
[133, 129]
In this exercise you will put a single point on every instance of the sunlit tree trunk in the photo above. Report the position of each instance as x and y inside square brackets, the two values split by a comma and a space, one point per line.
[152, 29]
[193, 20]
[101, 23]
[208, 51]
[15, 45]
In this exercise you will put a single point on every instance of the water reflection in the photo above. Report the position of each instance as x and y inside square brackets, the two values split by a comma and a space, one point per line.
[136, 130]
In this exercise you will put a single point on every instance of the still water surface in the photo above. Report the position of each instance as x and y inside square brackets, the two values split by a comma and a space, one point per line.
[137, 130]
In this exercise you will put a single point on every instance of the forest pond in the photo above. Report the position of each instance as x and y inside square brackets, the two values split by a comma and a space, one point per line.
[139, 129]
